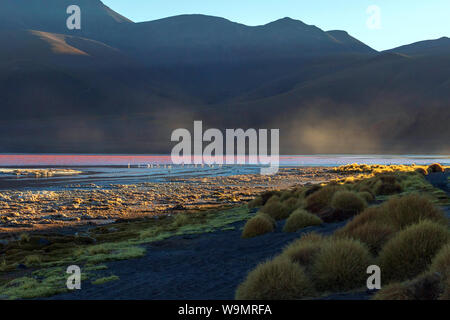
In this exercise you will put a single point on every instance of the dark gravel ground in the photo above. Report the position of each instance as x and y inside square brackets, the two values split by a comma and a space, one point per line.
[206, 266]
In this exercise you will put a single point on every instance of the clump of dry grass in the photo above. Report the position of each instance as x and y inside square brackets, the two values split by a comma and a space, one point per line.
[387, 188]
[321, 199]
[255, 203]
[422, 171]
[348, 201]
[341, 265]
[304, 250]
[276, 209]
[410, 252]
[258, 225]
[279, 279]
[299, 219]
[435, 167]
[441, 262]
[394, 291]
[366, 195]
[294, 203]
[427, 286]
[369, 215]
[406, 210]
[265, 196]
[374, 235]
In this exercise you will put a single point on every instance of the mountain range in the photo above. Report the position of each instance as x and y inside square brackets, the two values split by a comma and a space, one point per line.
[116, 86]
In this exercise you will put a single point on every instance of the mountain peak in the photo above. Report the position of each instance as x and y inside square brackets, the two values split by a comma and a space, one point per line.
[287, 22]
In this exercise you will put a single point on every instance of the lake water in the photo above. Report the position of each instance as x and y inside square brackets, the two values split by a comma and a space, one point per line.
[129, 169]
[68, 160]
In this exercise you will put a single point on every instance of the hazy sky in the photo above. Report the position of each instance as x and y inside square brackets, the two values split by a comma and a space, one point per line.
[401, 21]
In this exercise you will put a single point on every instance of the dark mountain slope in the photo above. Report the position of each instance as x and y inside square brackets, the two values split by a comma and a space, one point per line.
[122, 87]
[439, 46]
[389, 102]
[50, 15]
[216, 59]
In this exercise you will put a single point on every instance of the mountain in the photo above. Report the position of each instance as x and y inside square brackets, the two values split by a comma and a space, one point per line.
[438, 47]
[388, 102]
[116, 86]
[51, 16]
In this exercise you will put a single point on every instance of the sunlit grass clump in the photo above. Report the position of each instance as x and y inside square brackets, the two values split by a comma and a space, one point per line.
[341, 265]
[300, 219]
[278, 279]
[411, 251]
[379, 168]
[435, 167]
[260, 224]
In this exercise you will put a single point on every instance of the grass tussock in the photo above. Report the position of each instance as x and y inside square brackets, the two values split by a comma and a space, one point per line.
[427, 286]
[276, 209]
[341, 265]
[255, 203]
[411, 251]
[321, 199]
[279, 279]
[260, 224]
[394, 291]
[441, 262]
[422, 171]
[406, 210]
[367, 196]
[374, 235]
[348, 201]
[435, 167]
[304, 250]
[388, 188]
[300, 219]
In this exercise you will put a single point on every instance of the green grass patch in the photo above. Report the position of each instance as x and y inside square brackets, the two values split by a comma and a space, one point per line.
[105, 280]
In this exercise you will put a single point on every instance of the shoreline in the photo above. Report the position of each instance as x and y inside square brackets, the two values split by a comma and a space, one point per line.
[77, 205]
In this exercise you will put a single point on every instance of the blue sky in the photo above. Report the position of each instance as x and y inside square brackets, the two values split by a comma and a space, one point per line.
[401, 21]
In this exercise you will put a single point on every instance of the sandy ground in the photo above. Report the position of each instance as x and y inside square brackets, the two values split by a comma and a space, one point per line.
[100, 204]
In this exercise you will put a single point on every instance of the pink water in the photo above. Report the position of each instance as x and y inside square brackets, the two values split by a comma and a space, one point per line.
[71, 160]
